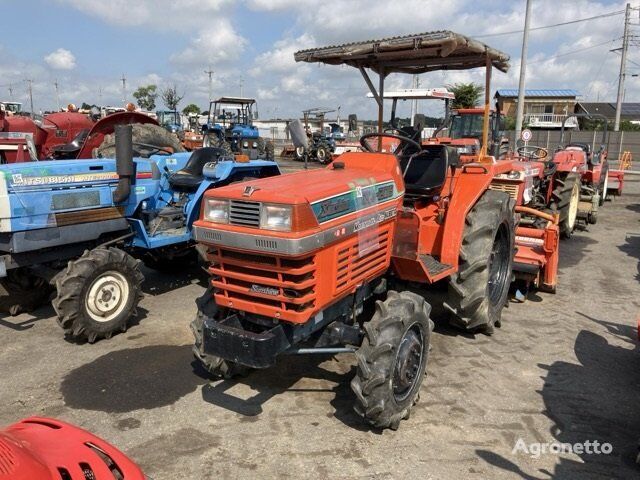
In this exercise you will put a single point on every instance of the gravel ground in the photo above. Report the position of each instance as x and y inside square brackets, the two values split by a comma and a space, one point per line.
[561, 369]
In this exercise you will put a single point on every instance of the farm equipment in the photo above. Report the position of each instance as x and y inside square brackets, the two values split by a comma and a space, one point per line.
[320, 145]
[615, 178]
[573, 183]
[70, 135]
[40, 448]
[342, 263]
[82, 225]
[236, 134]
[171, 121]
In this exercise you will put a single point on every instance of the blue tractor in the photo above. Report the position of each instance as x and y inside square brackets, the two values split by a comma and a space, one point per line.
[230, 126]
[171, 121]
[78, 230]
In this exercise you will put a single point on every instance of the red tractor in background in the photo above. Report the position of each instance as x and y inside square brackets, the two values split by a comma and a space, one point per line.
[572, 183]
[70, 135]
[342, 261]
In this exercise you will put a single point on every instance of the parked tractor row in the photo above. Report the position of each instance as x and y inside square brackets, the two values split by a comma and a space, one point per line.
[334, 260]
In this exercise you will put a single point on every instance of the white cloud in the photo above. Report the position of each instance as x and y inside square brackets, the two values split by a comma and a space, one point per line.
[61, 59]
[219, 42]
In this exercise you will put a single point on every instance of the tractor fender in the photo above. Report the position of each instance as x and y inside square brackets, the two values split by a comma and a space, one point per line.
[469, 183]
[107, 126]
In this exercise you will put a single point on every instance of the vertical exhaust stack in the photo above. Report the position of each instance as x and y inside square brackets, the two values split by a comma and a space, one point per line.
[124, 162]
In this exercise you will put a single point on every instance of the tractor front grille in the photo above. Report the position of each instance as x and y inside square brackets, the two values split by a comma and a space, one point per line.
[245, 214]
[510, 188]
[362, 256]
[279, 287]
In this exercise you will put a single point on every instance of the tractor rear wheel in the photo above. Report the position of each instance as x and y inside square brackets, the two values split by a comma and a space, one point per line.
[392, 359]
[215, 366]
[98, 294]
[478, 291]
[565, 200]
[21, 291]
[147, 134]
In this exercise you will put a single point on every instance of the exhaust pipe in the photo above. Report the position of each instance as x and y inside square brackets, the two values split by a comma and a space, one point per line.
[125, 167]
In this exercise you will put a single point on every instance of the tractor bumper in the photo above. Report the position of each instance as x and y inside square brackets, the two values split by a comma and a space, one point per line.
[228, 339]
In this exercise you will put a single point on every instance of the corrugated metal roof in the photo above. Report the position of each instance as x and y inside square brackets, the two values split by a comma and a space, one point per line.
[513, 92]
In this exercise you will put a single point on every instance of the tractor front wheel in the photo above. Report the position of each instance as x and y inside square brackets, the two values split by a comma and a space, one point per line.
[98, 294]
[300, 153]
[215, 366]
[478, 292]
[565, 200]
[323, 154]
[21, 291]
[392, 359]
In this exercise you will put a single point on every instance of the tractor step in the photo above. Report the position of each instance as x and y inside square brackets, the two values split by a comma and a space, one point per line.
[433, 266]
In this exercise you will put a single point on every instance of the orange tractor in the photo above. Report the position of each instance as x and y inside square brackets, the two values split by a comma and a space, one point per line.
[337, 260]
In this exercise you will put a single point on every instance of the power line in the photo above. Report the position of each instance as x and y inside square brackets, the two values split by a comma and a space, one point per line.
[573, 52]
[571, 22]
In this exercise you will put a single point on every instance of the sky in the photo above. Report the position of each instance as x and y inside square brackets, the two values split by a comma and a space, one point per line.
[86, 46]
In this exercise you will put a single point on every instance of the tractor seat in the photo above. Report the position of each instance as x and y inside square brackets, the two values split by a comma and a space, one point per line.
[189, 178]
[73, 146]
[582, 146]
[426, 171]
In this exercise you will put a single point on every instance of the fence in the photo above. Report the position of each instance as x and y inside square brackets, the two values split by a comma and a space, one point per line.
[618, 142]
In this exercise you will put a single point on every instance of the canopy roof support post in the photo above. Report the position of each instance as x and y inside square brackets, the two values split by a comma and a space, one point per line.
[381, 104]
[369, 83]
[487, 110]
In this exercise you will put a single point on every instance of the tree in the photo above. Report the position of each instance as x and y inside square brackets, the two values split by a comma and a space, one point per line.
[191, 108]
[146, 97]
[171, 98]
[467, 94]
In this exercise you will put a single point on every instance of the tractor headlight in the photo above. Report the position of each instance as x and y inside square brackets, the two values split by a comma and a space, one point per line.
[255, 145]
[276, 217]
[245, 144]
[216, 210]
[466, 150]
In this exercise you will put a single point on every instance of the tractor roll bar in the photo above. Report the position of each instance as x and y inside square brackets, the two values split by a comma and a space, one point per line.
[585, 115]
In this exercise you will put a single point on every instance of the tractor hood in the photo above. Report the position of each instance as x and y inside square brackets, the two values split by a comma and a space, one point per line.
[360, 170]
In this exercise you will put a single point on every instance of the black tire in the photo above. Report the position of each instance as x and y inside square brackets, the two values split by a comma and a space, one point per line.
[323, 154]
[21, 292]
[215, 366]
[562, 201]
[270, 150]
[145, 133]
[392, 359]
[299, 154]
[103, 274]
[478, 291]
[262, 148]
[603, 186]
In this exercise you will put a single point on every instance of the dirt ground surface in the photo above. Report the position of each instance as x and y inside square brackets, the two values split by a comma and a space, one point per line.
[563, 368]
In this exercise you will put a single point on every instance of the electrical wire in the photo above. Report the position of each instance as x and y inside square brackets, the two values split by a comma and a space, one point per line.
[571, 22]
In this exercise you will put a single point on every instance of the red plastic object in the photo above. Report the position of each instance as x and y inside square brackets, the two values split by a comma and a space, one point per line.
[39, 448]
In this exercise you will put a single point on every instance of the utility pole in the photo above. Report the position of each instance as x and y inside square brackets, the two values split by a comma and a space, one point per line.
[241, 86]
[30, 83]
[623, 67]
[11, 91]
[210, 73]
[55, 84]
[124, 89]
[414, 102]
[523, 72]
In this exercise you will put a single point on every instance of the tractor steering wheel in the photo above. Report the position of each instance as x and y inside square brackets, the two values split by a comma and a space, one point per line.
[401, 138]
[152, 149]
[532, 152]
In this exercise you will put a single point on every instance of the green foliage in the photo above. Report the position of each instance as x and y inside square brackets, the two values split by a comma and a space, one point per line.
[146, 97]
[171, 98]
[467, 94]
[191, 108]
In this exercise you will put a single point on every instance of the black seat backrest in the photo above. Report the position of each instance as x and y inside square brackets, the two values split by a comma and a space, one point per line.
[426, 171]
[75, 144]
[199, 158]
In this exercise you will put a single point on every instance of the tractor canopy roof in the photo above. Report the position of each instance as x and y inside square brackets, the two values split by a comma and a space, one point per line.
[418, 94]
[236, 100]
[413, 54]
